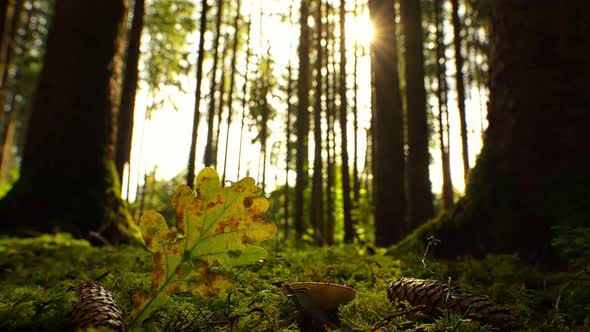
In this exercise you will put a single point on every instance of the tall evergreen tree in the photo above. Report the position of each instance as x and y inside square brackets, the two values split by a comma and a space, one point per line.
[232, 78]
[210, 157]
[190, 177]
[420, 206]
[130, 77]
[460, 84]
[68, 179]
[443, 112]
[317, 212]
[388, 127]
[302, 128]
[347, 204]
[531, 174]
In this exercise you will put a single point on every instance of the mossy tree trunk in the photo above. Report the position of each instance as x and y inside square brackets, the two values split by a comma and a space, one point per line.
[68, 179]
[533, 171]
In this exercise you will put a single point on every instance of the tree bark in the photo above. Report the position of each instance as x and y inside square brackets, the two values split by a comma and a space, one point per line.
[6, 15]
[443, 112]
[317, 206]
[127, 107]
[330, 118]
[8, 52]
[531, 174]
[210, 157]
[347, 204]
[302, 127]
[68, 179]
[190, 177]
[419, 187]
[388, 129]
[287, 203]
[231, 87]
[460, 85]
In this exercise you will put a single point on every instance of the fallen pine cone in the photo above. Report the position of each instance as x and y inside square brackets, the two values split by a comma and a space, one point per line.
[96, 307]
[435, 296]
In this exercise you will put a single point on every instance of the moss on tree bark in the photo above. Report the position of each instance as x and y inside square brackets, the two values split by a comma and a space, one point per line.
[531, 174]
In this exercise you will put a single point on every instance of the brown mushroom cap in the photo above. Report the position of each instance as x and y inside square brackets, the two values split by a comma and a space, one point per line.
[320, 296]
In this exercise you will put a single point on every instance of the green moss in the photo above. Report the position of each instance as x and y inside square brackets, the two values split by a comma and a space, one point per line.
[41, 204]
[36, 274]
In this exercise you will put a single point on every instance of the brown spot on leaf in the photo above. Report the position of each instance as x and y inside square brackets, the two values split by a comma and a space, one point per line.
[157, 270]
[232, 224]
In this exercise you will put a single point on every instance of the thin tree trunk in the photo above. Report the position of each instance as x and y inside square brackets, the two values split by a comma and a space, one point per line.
[457, 42]
[317, 219]
[288, 127]
[356, 186]
[6, 16]
[127, 106]
[9, 52]
[388, 139]
[244, 94]
[231, 87]
[8, 115]
[419, 187]
[302, 119]
[443, 115]
[347, 205]
[330, 118]
[190, 177]
[210, 157]
[222, 96]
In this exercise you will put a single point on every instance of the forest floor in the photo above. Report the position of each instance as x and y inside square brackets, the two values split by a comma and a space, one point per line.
[37, 273]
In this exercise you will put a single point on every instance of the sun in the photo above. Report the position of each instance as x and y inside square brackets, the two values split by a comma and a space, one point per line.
[362, 30]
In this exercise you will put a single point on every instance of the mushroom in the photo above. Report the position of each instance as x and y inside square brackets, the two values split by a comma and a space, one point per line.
[320, 296]
[319, 301]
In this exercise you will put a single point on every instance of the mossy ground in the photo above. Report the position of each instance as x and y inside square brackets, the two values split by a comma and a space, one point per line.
[35, 275]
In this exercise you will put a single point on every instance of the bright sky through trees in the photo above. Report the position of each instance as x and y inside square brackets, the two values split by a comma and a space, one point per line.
[163, 141]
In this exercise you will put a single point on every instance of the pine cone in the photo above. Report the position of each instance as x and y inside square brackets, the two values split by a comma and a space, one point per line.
[436, 297]
[96, 307]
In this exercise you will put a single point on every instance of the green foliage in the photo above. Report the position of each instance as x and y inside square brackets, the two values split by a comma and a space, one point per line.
[165, 55]
[574, 244]
[214, 229]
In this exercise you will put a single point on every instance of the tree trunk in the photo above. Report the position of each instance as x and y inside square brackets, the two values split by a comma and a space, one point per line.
[7, 56]
[420, 206]
[356, 185]
[231, 87]
[388, 130]
[531, 174]
[6, 16]
[302, 118]
[460, 85]
[221, 104]
[317, 206]
[127, 107]
[244, 95]
[443, 112]
[190, 177]
[330, 118]
[210, 157]
[68, 179]
[288, 130]
[347, 204]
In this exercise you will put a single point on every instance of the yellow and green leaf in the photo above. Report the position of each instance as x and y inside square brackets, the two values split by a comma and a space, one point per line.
[215, 227]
